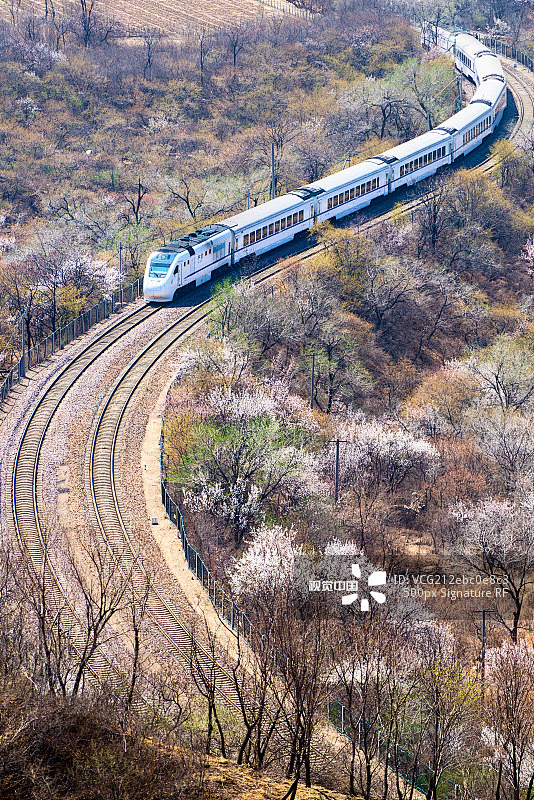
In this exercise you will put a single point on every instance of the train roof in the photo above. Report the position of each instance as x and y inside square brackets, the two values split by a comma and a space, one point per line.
[409, 149]
[469, 45]
[348, 175]
[265, 211]
[189, 240]
[467, 116]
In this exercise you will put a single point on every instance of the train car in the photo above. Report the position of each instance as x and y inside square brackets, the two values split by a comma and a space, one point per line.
[269, 225]
[191, 259]
[195, 257]
[417, 159]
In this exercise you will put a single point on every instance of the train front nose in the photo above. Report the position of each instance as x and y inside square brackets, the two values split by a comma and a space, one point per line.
[155, 292]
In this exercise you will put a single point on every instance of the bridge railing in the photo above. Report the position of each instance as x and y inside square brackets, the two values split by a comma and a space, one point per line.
[62, 336]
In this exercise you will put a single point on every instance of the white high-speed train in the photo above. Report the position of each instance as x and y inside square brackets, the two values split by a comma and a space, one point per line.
[196, 256]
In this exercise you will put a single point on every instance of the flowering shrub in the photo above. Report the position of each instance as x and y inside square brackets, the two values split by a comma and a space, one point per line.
[267, 564]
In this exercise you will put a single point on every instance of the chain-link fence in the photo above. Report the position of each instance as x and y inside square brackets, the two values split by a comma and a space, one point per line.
[64, 335]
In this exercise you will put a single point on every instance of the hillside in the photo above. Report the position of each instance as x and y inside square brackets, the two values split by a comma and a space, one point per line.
[160, 15]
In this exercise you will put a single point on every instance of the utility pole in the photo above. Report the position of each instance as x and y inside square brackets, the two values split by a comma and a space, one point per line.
[23, 357]
[273, 176]
[312, 392]
[483, 611]
[120, 271]
[483, 648]
[336, 485]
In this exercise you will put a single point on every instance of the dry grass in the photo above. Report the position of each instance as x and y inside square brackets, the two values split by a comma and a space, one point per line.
[227, 781]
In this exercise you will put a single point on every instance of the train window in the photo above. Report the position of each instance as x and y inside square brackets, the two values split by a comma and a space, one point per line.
[378, 181]
[352, 194]
[402, 171]
[245, 240]
[336, 200]
[347, 196]
[264, 232]
[368, 187]
[252, 237]
[329, 202]
[277, 227]
[289, 221]
[295, 219]
[425, 159]
[283, 224]
[357, 191]
[271, 229]
[258, 235]
[301, 216]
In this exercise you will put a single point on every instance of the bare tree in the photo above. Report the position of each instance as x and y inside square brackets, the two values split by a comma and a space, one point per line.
[151, 41]
[511, 715]
[192, 199]
[134, 200]
[254, 672]
[206, 675]
[496, 538]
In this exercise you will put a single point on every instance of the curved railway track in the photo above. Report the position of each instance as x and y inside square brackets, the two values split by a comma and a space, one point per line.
[167, 624]
[102, 475]
[26, 484]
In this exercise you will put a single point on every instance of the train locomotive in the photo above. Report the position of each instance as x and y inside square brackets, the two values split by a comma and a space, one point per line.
[194, 257]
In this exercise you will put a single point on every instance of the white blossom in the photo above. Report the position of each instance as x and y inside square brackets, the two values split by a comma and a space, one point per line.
[384, 451]
[235, 406]
[235, 503]
[7, 243]
[336, 547]
[29, 106]
[268, 562]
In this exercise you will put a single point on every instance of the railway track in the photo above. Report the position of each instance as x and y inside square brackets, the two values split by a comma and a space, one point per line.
[167, 624]
[102, 471]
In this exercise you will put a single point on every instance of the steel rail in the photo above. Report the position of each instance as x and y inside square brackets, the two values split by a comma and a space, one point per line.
[25, 477]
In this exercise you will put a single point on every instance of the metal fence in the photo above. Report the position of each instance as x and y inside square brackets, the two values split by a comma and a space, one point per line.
[410, 768]
[506, 50]
[62, 336]
[222, 602]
